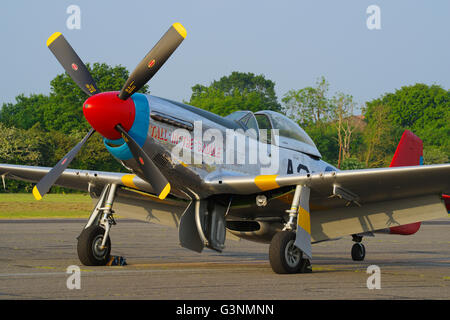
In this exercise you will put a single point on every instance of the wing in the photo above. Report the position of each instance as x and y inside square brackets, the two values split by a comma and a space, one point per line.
[356, 201]
[84, 180]
[370, 185]
[130, 201]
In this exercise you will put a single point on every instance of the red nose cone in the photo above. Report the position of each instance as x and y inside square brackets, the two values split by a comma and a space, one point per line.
[105, 110]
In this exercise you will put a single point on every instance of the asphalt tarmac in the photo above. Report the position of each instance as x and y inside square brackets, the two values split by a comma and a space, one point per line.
[35, 254]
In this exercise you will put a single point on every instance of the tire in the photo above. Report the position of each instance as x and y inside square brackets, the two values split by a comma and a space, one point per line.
[87, 248]
[284, 257]
[358, 252]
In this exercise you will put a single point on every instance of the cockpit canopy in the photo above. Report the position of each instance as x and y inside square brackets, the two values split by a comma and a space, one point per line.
[290, 135]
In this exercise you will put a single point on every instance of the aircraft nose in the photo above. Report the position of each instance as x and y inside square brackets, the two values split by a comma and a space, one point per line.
[105, 110]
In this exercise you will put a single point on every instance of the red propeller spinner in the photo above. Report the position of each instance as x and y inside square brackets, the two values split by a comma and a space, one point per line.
[105, 110]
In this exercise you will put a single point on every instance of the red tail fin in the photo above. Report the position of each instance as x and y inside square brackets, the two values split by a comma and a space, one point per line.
[409, 153]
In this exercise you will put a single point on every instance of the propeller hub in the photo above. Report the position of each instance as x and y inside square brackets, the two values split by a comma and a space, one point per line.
[105, 110]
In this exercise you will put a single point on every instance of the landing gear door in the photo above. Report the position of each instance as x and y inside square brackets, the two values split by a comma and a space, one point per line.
[210, 219]
[203, 224]
[188, 232]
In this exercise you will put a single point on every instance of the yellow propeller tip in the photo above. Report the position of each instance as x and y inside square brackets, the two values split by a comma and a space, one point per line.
[165, 192]
[36, 193]
[180, 29]
[53, 38]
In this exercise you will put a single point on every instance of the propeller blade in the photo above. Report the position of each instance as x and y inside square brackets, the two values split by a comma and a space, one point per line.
[151, 172]
[154, 60]
[73, 65]
[50, 178]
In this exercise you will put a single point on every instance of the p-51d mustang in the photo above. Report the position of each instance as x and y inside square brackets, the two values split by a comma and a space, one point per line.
[286, 196]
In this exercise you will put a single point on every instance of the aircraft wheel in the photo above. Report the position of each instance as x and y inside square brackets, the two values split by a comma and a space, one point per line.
[88, 248]
[358, 252]
[284, 257]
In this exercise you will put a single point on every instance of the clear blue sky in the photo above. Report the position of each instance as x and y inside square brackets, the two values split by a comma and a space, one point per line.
[290, 42]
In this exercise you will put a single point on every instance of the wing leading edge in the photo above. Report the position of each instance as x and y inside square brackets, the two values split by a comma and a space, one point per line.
[368, 185]
[84, 180]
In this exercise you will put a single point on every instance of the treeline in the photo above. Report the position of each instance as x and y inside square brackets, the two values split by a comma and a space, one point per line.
[40, 129]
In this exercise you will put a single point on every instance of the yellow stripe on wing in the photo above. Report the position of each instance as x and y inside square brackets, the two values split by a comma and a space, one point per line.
[183, 164]
[266, 182]
[127, 180]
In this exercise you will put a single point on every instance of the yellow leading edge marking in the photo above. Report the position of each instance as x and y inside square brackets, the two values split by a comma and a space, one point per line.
[53, 38]
[165, 192]
[36, 194]
[266, 182]
[180, 29]
[183, 164]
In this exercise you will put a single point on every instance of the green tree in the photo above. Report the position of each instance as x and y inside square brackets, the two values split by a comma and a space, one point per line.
[18, 146]
[238, 91]
[352, 164]
[309, 104]
[24, 147]
[25, 113]
[423, 109]
[380, 136]
[329, 121]
[325, 139]
[434, 155]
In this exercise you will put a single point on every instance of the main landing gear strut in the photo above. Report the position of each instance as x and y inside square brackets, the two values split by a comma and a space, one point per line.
[94, 244]
[290, 249]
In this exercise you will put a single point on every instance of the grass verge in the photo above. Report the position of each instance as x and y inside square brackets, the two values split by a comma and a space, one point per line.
[24, 206]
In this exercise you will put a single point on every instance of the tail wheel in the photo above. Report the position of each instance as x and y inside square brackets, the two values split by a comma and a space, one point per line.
[358, 252]
[89, 247]
[284, 256]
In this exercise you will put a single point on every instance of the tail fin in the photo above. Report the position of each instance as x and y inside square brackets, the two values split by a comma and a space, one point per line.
[409, 153]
